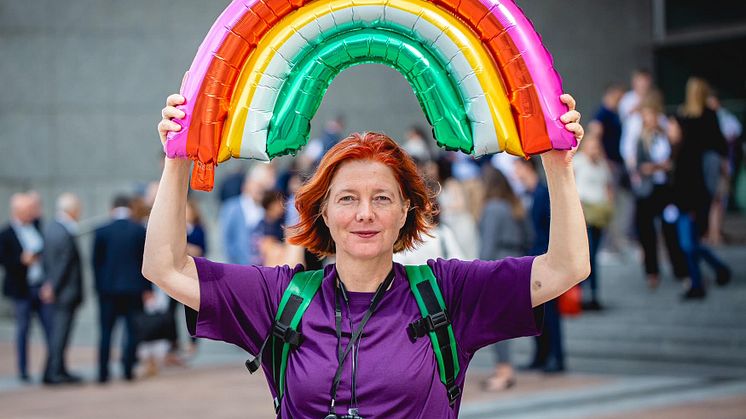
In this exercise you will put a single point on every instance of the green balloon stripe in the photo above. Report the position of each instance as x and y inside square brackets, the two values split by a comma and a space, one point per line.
[304, 89]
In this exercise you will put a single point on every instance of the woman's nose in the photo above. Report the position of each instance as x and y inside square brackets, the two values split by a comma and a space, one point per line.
[365, 211]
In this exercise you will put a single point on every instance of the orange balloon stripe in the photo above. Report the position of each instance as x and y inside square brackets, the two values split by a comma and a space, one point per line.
[214, 97]
[212, 102]
[524, 100]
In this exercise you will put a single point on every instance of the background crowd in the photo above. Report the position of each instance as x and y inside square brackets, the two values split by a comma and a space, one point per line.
[649, 179]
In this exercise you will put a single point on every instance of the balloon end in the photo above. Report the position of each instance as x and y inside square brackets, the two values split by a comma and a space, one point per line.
[203, 176]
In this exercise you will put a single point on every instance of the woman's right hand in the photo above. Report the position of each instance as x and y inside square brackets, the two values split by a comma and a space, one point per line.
[168, 113]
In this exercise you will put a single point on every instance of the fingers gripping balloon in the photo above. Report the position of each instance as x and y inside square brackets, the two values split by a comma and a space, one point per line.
[478, 68]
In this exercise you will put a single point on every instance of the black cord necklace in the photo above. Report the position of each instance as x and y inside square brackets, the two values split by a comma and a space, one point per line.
[353, 344]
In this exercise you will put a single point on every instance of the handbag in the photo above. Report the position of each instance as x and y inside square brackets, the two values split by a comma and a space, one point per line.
[598, 215]
[570, 303]
[155, 326]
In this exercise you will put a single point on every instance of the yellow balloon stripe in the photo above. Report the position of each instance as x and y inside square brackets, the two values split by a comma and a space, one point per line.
[475, 53]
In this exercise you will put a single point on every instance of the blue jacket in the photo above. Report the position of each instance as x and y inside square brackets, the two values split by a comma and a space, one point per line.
[540, 211]
[117, 258]
[240, 242]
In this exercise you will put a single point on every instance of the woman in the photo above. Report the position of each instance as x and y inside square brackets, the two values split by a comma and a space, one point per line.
[505, 231]
[365, 202]
[652, 190]
[596, 195]
[698, 141]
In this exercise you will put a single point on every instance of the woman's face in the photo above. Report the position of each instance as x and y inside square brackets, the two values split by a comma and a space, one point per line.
[364, 210]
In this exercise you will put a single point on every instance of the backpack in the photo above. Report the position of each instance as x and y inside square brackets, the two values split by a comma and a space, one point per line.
[435, 323]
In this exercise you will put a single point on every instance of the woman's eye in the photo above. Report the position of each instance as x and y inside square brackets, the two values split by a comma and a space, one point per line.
[347, 198]
[382, 198]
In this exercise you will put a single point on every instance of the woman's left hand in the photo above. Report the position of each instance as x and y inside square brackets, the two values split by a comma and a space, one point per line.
[571, 119]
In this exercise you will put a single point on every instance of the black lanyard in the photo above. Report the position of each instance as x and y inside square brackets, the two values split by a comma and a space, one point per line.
[354, 339]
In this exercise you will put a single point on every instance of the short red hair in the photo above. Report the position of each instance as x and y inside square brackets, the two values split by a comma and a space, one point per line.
[312, 233]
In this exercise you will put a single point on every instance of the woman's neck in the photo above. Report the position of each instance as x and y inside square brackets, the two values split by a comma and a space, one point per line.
[365, 275]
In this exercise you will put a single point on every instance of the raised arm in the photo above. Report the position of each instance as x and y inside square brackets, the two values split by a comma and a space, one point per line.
[567, 260]
[165, 261]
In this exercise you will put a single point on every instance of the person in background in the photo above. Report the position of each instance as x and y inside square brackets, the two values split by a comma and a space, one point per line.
[231, 185]
[439, 243]
[122, 289]
[240, 216]
[549, 354]
[64, 274]
[595, 188]
[642, 82]
[196, 247]
[21, 246]
[37, 208]
[333, 130]
[696, 137]
[611, 127]
[505, 231]
[453, 202]
[416, 145]
[650, 183]
[732, 130]
[270, 229]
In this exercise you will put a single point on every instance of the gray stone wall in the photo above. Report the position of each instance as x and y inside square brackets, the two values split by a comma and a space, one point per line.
[84, 80]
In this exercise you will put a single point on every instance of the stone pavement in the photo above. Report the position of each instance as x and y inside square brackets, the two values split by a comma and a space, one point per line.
[647, 355]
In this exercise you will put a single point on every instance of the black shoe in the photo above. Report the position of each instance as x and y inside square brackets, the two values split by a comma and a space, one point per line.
[54, 380]
[531, 367]
[553, 368]
[723, 276]
[24, 378]
[72, 378]
[694, 294]
[591, 306]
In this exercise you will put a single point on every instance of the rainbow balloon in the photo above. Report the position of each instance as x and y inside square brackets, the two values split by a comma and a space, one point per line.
[478, 68]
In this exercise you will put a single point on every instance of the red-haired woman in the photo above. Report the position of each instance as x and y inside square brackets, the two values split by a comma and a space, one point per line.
[365, 202]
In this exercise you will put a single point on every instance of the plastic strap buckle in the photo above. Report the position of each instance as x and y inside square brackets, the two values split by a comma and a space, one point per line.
[286, 334]
[253, 364]
[454, 392]
[431, 323]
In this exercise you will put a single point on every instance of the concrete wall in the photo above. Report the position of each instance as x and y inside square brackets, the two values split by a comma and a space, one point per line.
[83, 82]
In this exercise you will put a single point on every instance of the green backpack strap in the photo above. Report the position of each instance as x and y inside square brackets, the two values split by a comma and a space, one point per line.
[435, 323]
[284, 334]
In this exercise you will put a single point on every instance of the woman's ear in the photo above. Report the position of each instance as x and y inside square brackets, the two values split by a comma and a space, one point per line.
[324, 215]
[405, 213]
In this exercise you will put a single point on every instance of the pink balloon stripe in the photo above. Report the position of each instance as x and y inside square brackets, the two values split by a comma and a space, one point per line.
[177, 141]
[540, 65]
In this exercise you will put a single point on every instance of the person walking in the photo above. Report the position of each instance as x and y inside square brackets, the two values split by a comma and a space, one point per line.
[696, 135]
[21, 246]
[117, 263]
[64, 273]
[505, 231]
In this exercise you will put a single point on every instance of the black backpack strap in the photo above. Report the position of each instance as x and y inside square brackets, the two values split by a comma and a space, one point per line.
[284, 335]
[435, 323]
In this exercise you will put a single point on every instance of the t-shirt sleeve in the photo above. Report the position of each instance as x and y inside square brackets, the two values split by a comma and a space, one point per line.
[237, 303]
[488, 301]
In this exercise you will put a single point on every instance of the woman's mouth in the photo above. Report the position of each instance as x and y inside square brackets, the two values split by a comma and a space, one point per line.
[365, 234]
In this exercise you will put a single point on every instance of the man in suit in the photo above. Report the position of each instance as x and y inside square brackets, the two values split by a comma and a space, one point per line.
[240, 217]
[61, 260]
[117, 264]
[21, 245]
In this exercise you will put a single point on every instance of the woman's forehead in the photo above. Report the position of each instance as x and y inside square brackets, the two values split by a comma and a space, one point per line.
[364, 174]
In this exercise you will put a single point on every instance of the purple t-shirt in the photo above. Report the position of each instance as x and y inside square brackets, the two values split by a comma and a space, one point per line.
[396, 378]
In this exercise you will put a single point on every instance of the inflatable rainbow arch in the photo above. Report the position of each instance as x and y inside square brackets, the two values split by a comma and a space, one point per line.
[478, 68]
